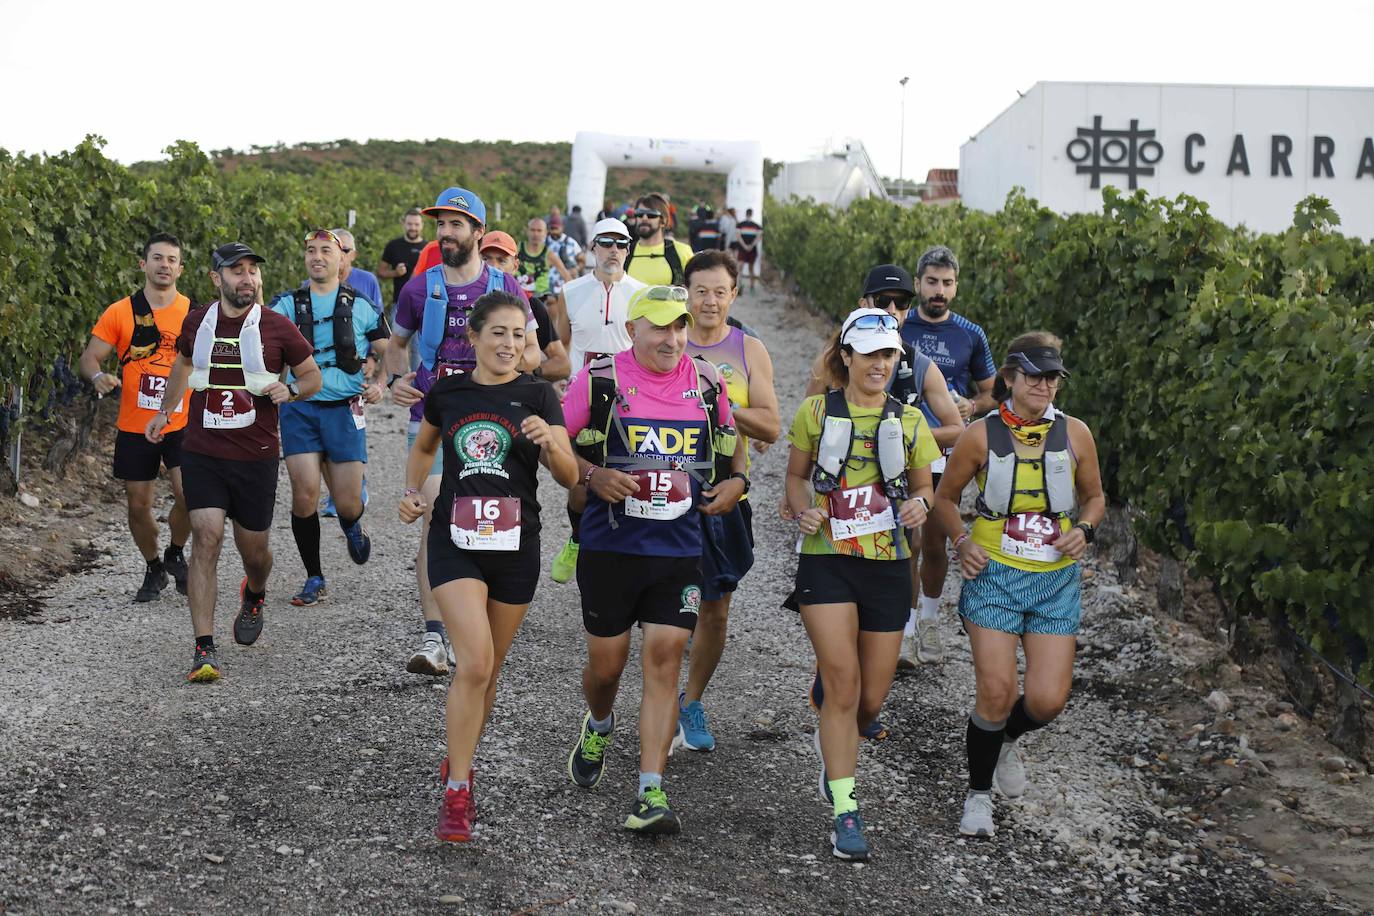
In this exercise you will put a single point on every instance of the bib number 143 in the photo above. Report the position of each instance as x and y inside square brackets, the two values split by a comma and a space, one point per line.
[1031, 536]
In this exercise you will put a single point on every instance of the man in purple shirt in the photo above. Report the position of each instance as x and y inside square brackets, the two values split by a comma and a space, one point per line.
[433, 307]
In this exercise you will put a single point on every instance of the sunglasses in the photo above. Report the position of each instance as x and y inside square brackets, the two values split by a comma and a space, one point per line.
[901, 302]
[872, 323]
[345, 250]
[323, 235]
[647, 214]
[611, 242]
[666, 293]
[1050, 380]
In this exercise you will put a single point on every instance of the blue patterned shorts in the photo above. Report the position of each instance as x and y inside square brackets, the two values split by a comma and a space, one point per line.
[1015, 601]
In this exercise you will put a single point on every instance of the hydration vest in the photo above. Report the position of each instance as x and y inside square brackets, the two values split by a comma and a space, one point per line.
[605, 395]
[836, 447]
[670, 254]
[146, 337]
[435, 330]
[908, 382]
[999, 488]
[345, 345]
[256, 378]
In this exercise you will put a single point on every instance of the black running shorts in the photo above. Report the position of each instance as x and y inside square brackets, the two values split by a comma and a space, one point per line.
[880, 588]
[245, 490]
[135, 458]
[622, 589]
[510, 575]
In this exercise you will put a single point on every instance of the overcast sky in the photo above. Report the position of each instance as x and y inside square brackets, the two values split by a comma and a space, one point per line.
[143, 74]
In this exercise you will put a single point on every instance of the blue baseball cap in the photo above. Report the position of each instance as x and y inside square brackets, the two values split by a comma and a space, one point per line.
[459, 200]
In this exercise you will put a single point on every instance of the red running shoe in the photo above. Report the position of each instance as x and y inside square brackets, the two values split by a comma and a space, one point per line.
[455, 821]
[472, 784]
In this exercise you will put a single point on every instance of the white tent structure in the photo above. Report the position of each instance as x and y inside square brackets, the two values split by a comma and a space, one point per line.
[593, 154]
[838, 179]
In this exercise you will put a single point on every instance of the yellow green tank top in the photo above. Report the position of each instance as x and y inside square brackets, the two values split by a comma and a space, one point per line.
[988, 533]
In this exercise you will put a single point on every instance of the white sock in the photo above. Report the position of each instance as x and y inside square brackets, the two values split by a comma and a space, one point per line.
[457, 785]
[910, 624]
[930, 608]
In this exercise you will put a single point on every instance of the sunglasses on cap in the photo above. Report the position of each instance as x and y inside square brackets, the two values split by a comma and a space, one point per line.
[872, 323]
[608, 241]
[667, 293]
[324, 235]
[646, 213]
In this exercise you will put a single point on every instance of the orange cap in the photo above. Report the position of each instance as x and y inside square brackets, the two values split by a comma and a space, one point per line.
[501, 241]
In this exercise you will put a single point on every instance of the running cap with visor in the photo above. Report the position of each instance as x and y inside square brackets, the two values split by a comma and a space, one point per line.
[870, 330]
[662, 305]
[889, 278]
[1040, 361]
[458, 200]
[610, 226]
[229, 255]
[501, 241]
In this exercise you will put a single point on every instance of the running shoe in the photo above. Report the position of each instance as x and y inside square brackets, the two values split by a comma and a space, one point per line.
[204, 665]
[691, 727]
[1010, 775]
[432, 657]
[823, 783]
[312, 593]
[906, 661]
[248, 623]
[977, 819]
[176, 567]
[472, 787]
[564, 565]
[154, 581]
[928, 648]
[329, 510]
[816, 696]
[651, 814]
[874, 731]
[359, 544]
[847, 839]
[587, 762]
[455, 820]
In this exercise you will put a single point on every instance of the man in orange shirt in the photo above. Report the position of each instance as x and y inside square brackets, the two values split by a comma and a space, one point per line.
[141, 329]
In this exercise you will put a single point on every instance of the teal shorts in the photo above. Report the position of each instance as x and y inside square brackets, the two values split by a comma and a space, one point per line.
[1015, 601]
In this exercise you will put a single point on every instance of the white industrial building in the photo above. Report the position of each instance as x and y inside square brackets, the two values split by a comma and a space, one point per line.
[1250, 152]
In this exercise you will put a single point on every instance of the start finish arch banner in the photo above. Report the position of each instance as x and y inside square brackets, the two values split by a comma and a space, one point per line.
[593, 154]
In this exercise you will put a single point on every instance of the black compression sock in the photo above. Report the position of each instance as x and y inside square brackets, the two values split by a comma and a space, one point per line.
[154, 564]
[205, 642]
[173, 552]
[982, 742]
[1020, 721]
[575, 521]
[346, 523]
[306, 529]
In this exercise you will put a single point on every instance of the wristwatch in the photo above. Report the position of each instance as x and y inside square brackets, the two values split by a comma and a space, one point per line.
[391, 381]
[294, 390]
[740, 475]
[1089, 533]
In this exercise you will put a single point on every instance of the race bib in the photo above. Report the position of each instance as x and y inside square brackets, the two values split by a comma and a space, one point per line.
[444, 370]
[355, 407]
[150, 391]
[485, 522]
[1029, 535]
[938, 465]
[228, 409]
[858, 511]
[663, 495]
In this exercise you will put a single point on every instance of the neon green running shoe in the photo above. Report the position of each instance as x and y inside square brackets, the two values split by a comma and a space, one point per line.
[651, 814]
[565, 564]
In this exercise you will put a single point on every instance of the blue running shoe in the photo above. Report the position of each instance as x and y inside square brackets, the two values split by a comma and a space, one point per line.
[329, 510]
[847, 839]
[816, 696]
[691, 727]
[874, 731]
[313, 592]
[359, 544]
[364, 492]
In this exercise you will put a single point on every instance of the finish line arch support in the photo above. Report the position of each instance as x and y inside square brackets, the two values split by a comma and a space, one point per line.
[594, 154]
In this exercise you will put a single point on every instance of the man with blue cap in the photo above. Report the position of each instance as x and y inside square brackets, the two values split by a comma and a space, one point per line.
[433, 307]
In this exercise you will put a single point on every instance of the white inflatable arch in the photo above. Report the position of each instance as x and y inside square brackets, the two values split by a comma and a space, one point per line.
[593, 154]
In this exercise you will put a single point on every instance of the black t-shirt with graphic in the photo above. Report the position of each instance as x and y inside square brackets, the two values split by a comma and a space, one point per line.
[485, 454]
[401, 250]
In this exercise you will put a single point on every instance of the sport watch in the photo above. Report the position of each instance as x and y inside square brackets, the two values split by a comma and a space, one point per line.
[295, 391]
[1089, 533]
[740, 475]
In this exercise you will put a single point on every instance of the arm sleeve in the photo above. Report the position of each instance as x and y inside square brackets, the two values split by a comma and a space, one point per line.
[805, 427]
[980, 365]
[577, 411]
[111, 330]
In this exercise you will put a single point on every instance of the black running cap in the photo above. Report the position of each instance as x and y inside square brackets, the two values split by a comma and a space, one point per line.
[1040, 361]
[889, 278]
[231, 254]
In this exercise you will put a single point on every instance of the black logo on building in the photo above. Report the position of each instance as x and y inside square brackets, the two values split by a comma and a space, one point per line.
[1132, 152]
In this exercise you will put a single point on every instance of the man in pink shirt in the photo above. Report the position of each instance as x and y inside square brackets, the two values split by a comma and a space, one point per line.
[665, 451]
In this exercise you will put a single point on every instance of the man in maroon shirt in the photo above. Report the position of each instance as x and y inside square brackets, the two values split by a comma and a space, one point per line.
[232, 353]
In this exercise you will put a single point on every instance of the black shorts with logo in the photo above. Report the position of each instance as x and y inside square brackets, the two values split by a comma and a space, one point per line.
[135, 458]
[510, 575]
[245, 490]
[880, 588]
[622, 589]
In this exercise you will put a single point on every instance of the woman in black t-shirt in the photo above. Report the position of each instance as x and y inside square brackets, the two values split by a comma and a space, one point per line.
[496, 425]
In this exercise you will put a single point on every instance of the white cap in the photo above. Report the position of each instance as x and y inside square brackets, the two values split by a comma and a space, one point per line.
[610, 226]
[869, 340]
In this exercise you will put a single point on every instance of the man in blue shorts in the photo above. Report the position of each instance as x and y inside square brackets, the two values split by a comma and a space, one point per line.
[433, 308]
[345, 329]
[959, 349]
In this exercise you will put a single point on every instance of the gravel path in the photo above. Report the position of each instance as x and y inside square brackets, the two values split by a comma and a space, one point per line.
[305, 780]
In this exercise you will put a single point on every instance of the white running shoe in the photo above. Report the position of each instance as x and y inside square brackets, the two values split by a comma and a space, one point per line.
[977, 819]
[928, 648]
[1010, 775]
[906, 661]
[432, 658]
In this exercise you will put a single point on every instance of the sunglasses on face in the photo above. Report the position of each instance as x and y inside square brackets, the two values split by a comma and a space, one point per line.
[323, 235]
[611, 242]
[345, 250]
[644, 213]
[1050, 380]
[900, 302]
[873, 323]
[666, 293]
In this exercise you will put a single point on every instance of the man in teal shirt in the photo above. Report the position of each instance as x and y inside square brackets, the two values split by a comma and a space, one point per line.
[348, 335]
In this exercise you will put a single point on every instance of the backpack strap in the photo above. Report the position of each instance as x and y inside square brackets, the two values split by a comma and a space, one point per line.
[146, 338]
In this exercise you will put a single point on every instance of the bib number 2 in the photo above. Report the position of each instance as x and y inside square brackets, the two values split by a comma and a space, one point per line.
[485, 522]
[858, 511]
[1031, 536]
[233, 409]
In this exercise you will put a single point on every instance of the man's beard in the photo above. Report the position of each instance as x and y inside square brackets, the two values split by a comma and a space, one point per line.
[935, 306]
[412, 238]
[459, 254]
[644, 229]
[240, 300]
